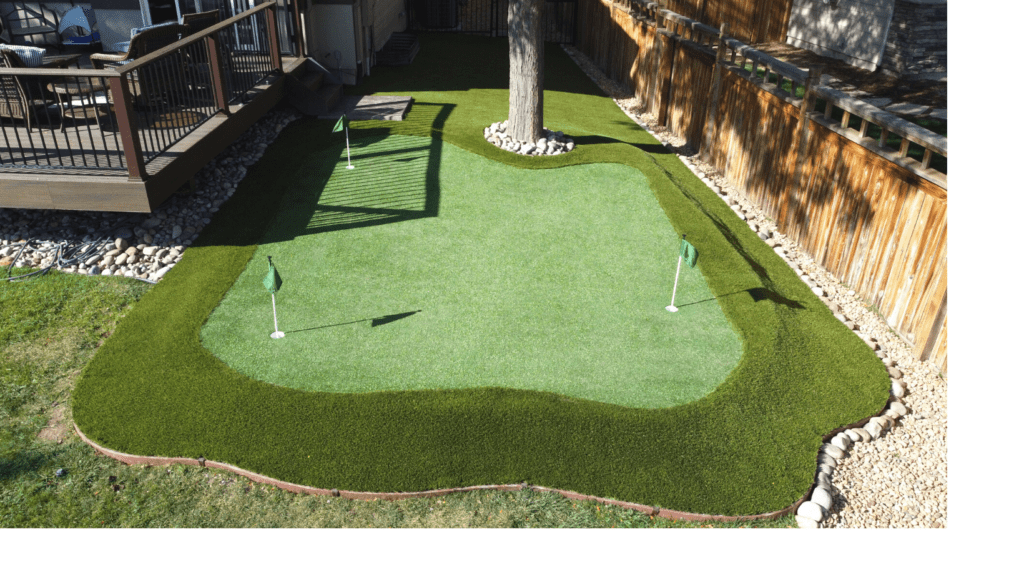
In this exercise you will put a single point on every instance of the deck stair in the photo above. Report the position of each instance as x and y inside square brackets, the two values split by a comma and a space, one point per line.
[312, 93]
[399, 50]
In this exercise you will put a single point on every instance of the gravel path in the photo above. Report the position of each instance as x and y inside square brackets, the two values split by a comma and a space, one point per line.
[898, 479]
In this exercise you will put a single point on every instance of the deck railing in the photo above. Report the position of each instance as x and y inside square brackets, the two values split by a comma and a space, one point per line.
[121, 119]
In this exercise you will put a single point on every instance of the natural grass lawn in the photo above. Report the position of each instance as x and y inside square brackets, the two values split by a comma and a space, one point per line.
[552, 280]
[52, 326]
[747, 447]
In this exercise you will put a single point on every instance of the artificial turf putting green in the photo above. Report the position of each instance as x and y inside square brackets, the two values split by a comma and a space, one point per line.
[403, 277]
[747, 447]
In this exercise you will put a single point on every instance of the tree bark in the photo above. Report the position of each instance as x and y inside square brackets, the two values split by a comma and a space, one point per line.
[526, 70]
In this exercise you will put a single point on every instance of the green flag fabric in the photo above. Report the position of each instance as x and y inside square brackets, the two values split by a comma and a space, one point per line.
[272, 280]
[688, 253]
[342, 124]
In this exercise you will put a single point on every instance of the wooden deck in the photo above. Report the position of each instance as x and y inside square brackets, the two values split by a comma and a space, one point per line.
[81, 172]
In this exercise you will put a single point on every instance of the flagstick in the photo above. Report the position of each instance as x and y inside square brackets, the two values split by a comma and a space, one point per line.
[672, 307]
[276, 334]
[348, 150]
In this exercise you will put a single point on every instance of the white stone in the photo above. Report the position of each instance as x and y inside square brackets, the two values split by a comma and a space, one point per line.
[818, 291]
[841, 441]
[899, 408]
[805, 523]
[853, 435]
[898, 389]
[873, 429]
[833, 451]
[160, 273]
[150, 250]
[811, 510]
[826, 460]
[821, 497]
[780, 251]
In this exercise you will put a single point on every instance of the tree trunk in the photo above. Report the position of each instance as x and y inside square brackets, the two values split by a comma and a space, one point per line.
[526, 70]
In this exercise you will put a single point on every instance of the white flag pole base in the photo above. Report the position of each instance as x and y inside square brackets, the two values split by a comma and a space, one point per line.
[672, 307]
[348, 150]
[276, 334]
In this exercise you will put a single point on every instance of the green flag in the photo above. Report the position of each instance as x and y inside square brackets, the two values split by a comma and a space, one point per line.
[272, 280]
[342, 124]
[688, 253]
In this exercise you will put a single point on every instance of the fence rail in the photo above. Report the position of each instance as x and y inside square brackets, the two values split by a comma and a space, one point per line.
[752, 21]
[123, 119]
[861, 190]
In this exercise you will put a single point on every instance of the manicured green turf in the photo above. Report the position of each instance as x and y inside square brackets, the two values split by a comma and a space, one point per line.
[52, 325]
[748, 447]
[481, 275]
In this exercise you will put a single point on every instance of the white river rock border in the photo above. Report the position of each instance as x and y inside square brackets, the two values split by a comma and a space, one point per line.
[551, 144]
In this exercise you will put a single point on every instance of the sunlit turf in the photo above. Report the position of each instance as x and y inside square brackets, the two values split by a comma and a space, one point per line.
[428, 267]
[748, 447]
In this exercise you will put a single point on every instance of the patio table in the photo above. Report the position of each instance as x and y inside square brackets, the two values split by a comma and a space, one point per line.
[80, 100]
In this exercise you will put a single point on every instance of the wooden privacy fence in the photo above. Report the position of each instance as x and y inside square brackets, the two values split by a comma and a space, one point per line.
[859, 189]
[752, 21]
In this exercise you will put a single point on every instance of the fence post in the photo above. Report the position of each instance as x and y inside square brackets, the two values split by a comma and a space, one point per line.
[663, 79]
[803, 129]
[220, 92]
[128, 126]
[716, 92]
[275, 46]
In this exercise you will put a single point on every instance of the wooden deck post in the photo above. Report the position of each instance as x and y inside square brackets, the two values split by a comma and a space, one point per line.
[220, 91]
[275, 43]
[716, 92]
[300, 46]
[128, 126]
[803, 129]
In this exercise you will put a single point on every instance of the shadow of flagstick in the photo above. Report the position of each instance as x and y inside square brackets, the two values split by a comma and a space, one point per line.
[758, 294]
[374, 322]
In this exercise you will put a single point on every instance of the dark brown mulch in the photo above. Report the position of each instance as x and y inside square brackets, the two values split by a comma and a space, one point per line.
[917, 91]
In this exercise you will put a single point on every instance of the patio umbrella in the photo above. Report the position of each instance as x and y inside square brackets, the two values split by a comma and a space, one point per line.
[81, 18]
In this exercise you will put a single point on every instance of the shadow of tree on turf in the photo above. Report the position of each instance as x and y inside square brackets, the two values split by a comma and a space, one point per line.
[390, 182]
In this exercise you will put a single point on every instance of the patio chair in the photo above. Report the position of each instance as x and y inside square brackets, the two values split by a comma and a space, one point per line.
[17, 99]
[82, 19]
[200, 20]
[148, 83]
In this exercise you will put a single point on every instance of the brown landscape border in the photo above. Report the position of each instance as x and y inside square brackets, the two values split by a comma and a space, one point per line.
[372, 496]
